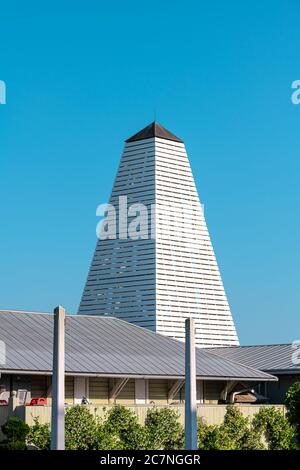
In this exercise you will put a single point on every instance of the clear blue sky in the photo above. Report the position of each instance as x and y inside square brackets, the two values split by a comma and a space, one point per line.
[83, 76]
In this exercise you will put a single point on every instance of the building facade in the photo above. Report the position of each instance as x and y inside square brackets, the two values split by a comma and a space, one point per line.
[280, 360]
[110, 361]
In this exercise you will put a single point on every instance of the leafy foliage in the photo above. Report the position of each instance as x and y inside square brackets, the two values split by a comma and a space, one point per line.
[239, 430]
[292, 402]
[15, 430]
[13, 445]
[213, 437]
[163, 430]
[80, 429]
[278, 432]
[120, 429]
[236, 433]
[106, 440]
[122, 425]
[39, 435]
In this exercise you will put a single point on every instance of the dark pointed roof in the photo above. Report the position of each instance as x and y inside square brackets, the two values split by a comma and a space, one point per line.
[154, 130]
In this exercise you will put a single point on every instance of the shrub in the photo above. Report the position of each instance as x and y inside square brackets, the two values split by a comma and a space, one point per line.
[120, 429]
[122, 425]
[278, 432]
[15, 430]
[106, 440]
[236, 433]
[39, 435]
[13, 445]
[239, 430]
[80, 429]
[292, 402]
[163, 430]
[235, 423]
[213, 437]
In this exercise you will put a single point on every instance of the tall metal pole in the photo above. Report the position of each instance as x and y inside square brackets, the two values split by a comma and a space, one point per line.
[58, 382]
[190, 387]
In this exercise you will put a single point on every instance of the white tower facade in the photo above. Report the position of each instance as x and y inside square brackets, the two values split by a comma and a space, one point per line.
[169, 272]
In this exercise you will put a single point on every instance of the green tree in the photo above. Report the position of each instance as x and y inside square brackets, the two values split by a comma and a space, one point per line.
[163, 429]
[292, 402]
[238, 429]
[122, 425]
[15, 429]
[39, 435]
[236, 433]
[120, 429]
[214, 437]
[278, 432]
[80, 429]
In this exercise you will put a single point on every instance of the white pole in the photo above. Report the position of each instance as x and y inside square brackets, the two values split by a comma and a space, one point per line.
[190, 387]
[58, 382]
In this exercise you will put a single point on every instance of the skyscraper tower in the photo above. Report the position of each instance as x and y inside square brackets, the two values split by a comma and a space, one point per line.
[169, 272]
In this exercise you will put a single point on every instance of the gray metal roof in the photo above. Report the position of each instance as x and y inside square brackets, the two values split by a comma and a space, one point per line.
[106, 346]
[274, 358]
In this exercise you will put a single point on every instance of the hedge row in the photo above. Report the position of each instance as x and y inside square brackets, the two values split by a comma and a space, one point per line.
[120, 429]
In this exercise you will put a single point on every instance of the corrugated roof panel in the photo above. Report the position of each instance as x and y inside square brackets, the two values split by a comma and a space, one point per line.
[106, 346]
[272, 357]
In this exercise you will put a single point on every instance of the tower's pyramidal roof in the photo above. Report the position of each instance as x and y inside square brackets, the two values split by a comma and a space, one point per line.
[166, 271]
[154, 130]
